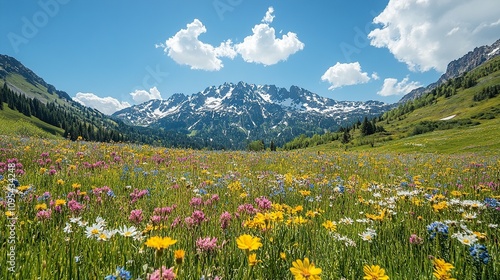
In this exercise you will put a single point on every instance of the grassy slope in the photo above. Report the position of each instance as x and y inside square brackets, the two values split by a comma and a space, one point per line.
[15, 123]
[482, 138]
[40, 92]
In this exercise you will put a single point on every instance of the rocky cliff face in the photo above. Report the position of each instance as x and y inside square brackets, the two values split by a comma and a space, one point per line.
[458, 67]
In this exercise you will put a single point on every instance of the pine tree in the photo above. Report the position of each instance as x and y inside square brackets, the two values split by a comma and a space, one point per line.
[272, 147]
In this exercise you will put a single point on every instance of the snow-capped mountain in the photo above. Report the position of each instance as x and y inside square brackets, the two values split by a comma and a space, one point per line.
[234, 114]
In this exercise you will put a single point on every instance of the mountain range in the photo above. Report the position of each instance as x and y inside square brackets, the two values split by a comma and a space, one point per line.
[228, 116]
[233, 114]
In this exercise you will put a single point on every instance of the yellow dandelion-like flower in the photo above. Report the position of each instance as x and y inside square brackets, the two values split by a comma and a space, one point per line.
[252, 259]
[23, 188]
[305, 192]
[374, 272]
[41, 206]
[60, 202]
[304, 270]
[441, 264]
[329, 225]
[160, 243]
[248, 242]
[179, 256]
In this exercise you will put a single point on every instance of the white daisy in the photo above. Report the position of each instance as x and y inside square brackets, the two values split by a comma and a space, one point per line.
[67, 228]
[93, 231]
[127, 231]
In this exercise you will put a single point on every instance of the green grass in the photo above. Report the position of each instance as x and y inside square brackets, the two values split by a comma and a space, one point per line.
[17, 124]
[303, 190]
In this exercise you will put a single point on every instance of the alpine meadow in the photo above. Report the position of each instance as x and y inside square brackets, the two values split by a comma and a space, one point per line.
[236, 140]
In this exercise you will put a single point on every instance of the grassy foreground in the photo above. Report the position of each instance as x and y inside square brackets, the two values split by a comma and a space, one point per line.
[81, 210]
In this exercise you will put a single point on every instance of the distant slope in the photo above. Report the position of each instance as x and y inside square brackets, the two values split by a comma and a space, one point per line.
[461, 115]
[458, 67]
[15, 123]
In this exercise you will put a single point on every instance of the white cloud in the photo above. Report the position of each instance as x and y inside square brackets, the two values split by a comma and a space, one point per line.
[429, 34]
[375, 76]
[393, 87]
[106, 105]
[141, 96]
[185, 48]
[269, 17]
[345, 74]
[263, 46]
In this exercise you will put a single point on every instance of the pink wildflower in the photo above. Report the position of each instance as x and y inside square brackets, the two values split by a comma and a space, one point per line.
[135, 216]
[163, 274]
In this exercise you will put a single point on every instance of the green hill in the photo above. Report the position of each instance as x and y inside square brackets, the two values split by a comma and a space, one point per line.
[462, 115]
[15, 123]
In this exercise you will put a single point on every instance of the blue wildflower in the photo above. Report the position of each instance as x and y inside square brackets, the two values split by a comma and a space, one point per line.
[479, 253]
[202, 192]
[437, 227]
[120, 274]
[123, 274]
[491, 202]
[340, 189]
[110, 193]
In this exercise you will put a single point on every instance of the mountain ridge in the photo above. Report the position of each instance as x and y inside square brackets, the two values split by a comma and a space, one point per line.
[458, 67]
[244, 112]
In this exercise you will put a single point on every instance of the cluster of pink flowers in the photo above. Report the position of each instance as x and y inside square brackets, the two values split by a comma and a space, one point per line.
[163, 274]
[17, 166]
[224, 219]
[207, 244]
[74, 206]
[137, 194]
[196, 201]
[263, 203]
[162, 213]
[196, 218]
[135, 216]
[96, 165]
[247, 209]
[416, 240]
[44, 215]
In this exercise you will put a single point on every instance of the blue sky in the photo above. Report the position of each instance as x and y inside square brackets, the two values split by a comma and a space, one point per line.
[112, 54]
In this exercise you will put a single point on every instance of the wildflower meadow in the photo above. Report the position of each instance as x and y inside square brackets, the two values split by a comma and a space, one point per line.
[85, 210]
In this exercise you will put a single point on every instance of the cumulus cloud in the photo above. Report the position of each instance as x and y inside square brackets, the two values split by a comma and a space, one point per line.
[429, 34]
[346, 74]
[393, 87]
[106, 105]
[263, 47]
[186, 49]
[141, 96]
